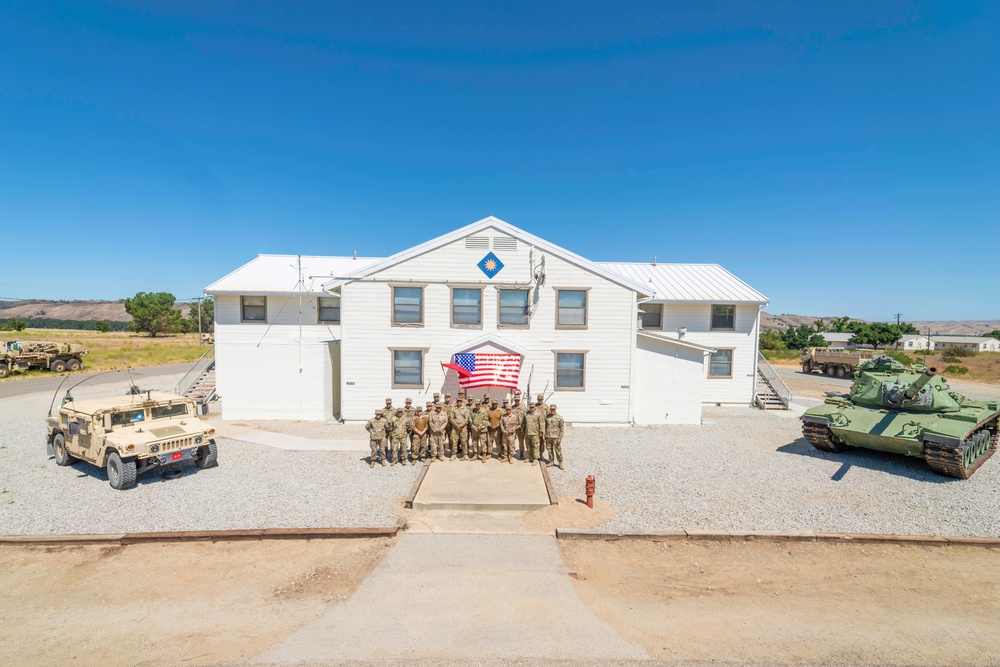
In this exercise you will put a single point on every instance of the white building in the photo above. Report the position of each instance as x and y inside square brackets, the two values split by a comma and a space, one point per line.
[972, 343]
[835, 339]
[913, 342]
[322, 337]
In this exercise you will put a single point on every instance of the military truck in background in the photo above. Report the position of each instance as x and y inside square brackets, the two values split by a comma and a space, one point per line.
[26, 355]
[835, 362]
[129, 435]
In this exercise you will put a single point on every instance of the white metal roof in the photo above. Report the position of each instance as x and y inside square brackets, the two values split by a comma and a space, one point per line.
[691, 283]
[834, 336]
[279, 274]
[511, 230]
[960, 339]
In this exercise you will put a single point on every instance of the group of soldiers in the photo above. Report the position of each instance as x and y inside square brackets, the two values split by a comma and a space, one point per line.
[473, 430]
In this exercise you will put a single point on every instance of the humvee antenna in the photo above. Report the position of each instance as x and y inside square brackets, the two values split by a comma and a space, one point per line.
[56, 392]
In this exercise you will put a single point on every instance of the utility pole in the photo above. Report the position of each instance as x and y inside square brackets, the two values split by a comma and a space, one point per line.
[898, 315]
[199, 319]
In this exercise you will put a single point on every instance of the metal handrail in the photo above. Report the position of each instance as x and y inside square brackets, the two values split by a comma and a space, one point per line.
[192, 375]
[772, 380]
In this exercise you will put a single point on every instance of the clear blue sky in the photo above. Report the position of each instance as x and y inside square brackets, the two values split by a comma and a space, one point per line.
[841, 157]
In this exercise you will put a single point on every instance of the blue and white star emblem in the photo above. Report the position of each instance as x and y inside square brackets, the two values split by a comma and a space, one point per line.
[490, 265]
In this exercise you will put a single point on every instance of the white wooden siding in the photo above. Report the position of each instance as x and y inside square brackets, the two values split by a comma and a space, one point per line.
[739, 389]
[669, 383]
[368, 335]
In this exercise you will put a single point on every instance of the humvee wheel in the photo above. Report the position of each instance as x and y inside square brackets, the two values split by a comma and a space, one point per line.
[807, 367]
[209, 456]
[121, 472]
[841, 372]
[58, 366]
[73, 365]
[63, 457]
[820, 437]
[4, 371]
[962, 460]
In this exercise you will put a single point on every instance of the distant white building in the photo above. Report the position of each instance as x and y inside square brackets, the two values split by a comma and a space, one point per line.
[320, 337]
[835, 339]
[974, 343]
[914, 342]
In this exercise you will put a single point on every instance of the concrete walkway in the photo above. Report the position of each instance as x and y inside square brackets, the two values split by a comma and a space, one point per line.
[493, 486]
[284, 440]
[460, 597]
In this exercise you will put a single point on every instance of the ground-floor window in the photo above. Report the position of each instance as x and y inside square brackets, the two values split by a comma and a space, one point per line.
[571, 370]
[720, 365]
[407, 368]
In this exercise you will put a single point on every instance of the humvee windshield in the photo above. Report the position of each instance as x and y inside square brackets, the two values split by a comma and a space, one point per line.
[172, 410]
[129, 416]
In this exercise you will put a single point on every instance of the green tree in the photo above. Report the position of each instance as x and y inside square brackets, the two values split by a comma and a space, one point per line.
[839, 324]
[877, 334]
[15, 324]
[102, 326]
[153, 313]
[994, 334]
[820, 325]
[207, 308]
[770, 339]
[796, 338]
[908, 329]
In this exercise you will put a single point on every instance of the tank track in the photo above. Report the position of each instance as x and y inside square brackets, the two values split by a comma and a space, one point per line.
[820, 437]
[950, 459]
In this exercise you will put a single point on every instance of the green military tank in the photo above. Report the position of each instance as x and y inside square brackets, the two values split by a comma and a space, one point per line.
[909, 411]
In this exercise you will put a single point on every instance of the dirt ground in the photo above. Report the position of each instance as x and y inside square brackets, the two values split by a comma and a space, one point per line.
[157, 604]
[795, 603]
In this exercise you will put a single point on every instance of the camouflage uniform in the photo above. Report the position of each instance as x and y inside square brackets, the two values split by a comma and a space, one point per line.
[436, 422]
[459, 420]
[493, 441]
[398, 431]
[521, 413]
[534, 426]
[509, 425]
[553, 436]
[543, 410]
[410, 412]
[418, 441]
[446, 408]
[378, 429]
[480, 426]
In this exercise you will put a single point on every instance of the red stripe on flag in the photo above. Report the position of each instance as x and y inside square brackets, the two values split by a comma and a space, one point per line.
[458, 369]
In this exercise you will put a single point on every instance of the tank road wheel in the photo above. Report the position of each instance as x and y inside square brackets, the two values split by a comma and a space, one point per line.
[822, 438]
[121, 472]
[830, 371]
[58, 366]
[962, 460]
[63, 457]
[72, 364]
[209, 456]
[841, 372]
[807, 367]
[4, 370]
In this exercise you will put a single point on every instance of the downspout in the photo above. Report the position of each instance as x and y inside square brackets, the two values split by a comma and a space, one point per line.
[756, 357]
[633, 342]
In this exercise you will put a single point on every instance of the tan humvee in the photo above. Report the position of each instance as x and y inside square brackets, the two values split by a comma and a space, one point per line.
[130, 435]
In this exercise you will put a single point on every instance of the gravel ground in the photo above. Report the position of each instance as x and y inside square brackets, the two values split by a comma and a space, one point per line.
[253, 487]
[750, 470]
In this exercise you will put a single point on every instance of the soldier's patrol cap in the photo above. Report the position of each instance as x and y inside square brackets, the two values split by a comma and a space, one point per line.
[532, 407]
[437, 406]
[494, 401]
[378, 412]
[541, 397]
[409, 400]
[461, 399]
[430, 403]
[447, 395]
[506, 403]
[388, 400]
[552, 407]
[437, 394]
[461, 393]
[420, 408]
[478, 402]
[506, 406]
[399, 409]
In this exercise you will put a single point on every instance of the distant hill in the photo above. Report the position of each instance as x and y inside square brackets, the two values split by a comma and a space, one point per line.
[112, 311]
[954, 328]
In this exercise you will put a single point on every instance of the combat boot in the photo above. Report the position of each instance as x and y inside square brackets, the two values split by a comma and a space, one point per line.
[384, 463]
[561, 466]
[372, 464]
[510, 460]
[533, 462]
[402, 461]
[549, 464]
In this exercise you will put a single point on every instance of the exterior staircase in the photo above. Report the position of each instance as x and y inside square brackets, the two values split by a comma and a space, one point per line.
[772, 393]
[199, 382]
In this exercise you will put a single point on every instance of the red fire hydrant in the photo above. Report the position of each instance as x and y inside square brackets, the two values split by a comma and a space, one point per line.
[590, 491]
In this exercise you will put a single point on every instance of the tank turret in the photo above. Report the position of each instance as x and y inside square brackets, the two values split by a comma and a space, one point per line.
[909, 411]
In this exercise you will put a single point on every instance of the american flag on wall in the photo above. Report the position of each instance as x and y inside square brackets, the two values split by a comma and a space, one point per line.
[486, 369]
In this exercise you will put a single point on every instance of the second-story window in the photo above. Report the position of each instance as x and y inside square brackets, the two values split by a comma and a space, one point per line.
[329, 309]
[254, 308]
[571, 310]
[652, 315]
[466, 306]
[407, 305]
[724, 317]
[513, 308]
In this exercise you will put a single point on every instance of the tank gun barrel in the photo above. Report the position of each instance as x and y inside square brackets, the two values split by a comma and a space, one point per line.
[919, 383]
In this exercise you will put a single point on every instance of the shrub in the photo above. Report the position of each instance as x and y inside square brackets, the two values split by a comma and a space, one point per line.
[957, 352]
[901, 357]
[771, 355]
[956, 370]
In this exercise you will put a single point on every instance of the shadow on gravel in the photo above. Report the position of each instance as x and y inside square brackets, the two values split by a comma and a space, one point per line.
[892, 464]
[152, 477]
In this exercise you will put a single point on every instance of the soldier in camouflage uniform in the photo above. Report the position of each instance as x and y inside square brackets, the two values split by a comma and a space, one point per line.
[534, 427]
[378, 430]
[509, 425]
[553, 436]
[388, 411]
[398, 430]
[479, 426]
[447, 408]
[437, 421]
[418, 435]
[410, 412]
[543, 412]
[459, 421]
[495, 415]
[521, 411]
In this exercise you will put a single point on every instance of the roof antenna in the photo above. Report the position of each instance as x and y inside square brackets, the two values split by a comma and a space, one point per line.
[654, 260]
[355, 254]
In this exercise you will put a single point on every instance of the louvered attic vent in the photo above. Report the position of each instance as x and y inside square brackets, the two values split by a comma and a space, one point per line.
[477, 243]
[504, 243]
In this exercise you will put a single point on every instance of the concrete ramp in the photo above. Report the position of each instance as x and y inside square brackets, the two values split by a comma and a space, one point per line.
[476, 486]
